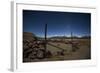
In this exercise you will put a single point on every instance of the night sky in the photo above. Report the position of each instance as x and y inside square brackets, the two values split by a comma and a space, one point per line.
[58, 23]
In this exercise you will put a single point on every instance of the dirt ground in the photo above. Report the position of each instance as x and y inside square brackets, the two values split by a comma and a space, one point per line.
[66, 51]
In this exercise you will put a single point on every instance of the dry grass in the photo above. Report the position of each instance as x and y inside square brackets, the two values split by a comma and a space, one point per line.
[83, 51]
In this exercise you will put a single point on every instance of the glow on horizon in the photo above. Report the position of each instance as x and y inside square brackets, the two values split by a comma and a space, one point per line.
[63, 36]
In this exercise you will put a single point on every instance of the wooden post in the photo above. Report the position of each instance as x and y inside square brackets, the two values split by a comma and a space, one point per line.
[45, 46]
[72, 40]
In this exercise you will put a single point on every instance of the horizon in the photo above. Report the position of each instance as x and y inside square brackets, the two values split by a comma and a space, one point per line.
[67, 36]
